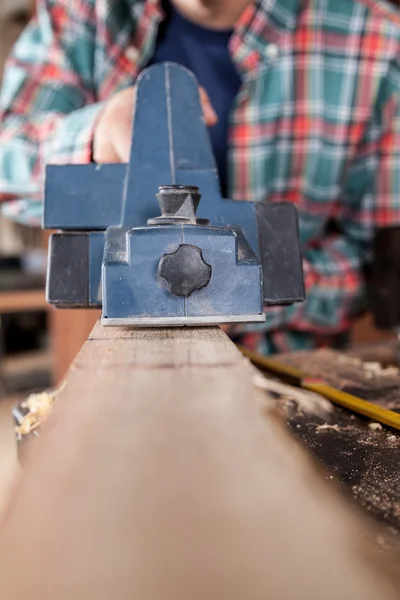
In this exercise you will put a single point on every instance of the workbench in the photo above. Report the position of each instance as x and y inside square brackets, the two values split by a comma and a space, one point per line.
[361, 458]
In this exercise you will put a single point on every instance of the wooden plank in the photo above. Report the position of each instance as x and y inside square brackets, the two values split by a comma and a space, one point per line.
[163, 475]
[8, 463]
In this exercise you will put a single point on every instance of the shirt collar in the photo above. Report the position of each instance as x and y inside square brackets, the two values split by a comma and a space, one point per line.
[264, 24]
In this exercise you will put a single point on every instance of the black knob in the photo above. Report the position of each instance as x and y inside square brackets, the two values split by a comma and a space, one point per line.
[178, 205]
[178, 200]
[184, 270]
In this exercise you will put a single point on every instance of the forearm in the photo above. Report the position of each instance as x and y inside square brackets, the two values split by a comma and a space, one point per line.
[28, 144]
[47, 102]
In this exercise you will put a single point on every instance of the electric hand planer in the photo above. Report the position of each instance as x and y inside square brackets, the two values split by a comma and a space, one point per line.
[152, 242]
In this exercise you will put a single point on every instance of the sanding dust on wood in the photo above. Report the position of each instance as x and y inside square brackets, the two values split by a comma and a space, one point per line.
[362, 456]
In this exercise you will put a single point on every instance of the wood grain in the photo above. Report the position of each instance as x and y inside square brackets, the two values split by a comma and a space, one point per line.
[163, 475]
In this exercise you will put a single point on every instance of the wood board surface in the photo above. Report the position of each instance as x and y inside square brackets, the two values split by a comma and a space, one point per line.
[165, 474]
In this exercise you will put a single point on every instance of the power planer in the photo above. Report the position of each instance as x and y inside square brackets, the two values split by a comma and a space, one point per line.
[153, 242]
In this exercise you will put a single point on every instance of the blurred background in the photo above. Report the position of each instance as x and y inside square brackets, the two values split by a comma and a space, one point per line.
[24, 324]
[37, 343]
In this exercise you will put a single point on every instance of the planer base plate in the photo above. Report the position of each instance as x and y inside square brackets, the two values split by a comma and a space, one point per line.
[182, 321]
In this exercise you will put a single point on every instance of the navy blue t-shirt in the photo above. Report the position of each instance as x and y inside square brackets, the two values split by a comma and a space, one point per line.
[205, 53]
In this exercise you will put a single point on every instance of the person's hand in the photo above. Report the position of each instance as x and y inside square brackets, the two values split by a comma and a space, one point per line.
[112, 134]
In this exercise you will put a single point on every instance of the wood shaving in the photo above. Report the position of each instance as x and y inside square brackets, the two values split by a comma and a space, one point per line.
[349, 360]
[326, 426]
[371, 369]
[39, 406]
[375, 426]
[374, 369]
[309, 402]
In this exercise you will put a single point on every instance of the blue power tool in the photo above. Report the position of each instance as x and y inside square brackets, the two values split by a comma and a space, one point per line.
[137, 241]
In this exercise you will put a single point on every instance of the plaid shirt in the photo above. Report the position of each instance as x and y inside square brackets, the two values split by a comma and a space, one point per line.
[316, 122]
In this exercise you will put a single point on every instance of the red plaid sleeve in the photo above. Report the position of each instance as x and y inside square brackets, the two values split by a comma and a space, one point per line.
[370, 200]
[47, 104]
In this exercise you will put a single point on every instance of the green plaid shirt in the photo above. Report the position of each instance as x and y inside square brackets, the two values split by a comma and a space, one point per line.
[316, 122]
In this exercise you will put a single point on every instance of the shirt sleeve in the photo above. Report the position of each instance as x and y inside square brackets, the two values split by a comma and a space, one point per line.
[47, 103]
[333, 274]
[334, 270]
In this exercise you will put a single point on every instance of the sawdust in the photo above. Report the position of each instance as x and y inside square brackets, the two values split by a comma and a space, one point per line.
[362, 456]
[348, 360]
[359, 458]
[378, 488]
[393, 440]
[371, 495]
[374, 369]
[371, 369]
[385, 440]
[38, 407]
[345, 371]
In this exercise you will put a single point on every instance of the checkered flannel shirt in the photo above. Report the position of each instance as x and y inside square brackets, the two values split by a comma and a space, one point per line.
[316, 122]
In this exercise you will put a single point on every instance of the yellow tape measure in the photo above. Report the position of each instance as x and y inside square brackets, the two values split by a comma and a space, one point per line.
[298, 378]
